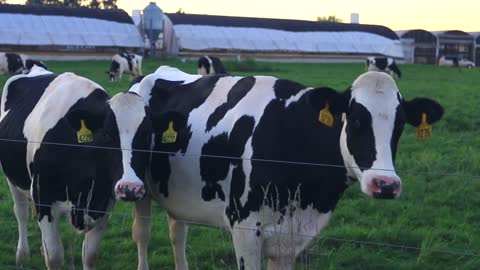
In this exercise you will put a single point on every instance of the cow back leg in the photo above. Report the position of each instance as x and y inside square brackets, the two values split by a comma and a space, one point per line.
[52, 246]
[283, 263]
[178, 237]
[141, 230]
[20, 208]
[91, 244]
[248, 247]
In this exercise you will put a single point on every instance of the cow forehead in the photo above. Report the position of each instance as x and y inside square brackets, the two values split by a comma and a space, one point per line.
[377, 91]
[129, 109]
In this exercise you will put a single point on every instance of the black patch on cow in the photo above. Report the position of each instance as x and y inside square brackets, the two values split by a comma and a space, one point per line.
[360, 137]
[285, 89]
[173, 96]
[76, 174]
[242, 263]
[227, 151]
[23, 95]
[129, 58]
[397, 129]
[14, 62]
[238, 91]
[393, 67]
[114, 66]
[291, 134]
[381, 63]
[30, 63]
[218, 65]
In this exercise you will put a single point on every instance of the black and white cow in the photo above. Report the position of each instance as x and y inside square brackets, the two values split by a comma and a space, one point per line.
[210, 65]
[29, 63]
[10, 63]
[125, 62]
[218, 174]
[385, 64]
[78, 156]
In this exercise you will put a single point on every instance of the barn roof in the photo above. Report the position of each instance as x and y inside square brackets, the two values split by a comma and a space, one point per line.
[207, 32]
[46, 25]
[419, 35]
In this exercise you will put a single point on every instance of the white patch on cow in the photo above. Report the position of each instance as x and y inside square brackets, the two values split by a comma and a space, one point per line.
[296, 97]
[165, 73]
[247, 169]
[129, 113]
[211, 69]
[382, 107]
[36, 71]
[62, 93]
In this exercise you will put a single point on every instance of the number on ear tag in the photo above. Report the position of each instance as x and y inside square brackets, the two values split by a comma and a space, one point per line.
[325, 117]
[424, 130]
[170, 135]
[84, 135]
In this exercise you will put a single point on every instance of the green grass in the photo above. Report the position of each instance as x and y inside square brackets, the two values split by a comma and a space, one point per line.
[438, 210]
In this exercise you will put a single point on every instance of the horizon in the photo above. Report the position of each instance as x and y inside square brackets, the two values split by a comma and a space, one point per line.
[441, 16]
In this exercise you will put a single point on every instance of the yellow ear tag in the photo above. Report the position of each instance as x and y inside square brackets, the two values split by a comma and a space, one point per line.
[84, 135]
[170, 135]
[325, 117]
[424, 130]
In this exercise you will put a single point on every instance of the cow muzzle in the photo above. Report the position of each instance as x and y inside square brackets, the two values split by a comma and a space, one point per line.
[383, 187]
[129, 191]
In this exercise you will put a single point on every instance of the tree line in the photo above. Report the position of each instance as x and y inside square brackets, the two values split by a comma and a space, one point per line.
[105, 4]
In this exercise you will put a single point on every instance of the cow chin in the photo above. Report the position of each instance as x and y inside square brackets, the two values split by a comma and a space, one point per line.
[380, 186]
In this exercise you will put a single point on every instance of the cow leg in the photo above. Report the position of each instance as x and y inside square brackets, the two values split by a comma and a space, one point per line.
[285, 263]
[248, 248]
[91, 243]
[141, 230]
[20, 207]
[178, 237]
[51, 242]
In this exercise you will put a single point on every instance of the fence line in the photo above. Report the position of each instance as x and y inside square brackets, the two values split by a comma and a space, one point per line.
[362, 242]
[247, 159]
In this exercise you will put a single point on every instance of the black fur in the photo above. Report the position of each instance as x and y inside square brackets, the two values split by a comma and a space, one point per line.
[14, 62]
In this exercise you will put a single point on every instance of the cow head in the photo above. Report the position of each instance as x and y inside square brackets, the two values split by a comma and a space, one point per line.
[374, 115]
[128, 131]
[114, 70]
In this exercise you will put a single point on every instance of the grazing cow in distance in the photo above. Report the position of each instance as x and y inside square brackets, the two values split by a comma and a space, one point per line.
[213, 166]
[68, 148]
[210, 65]
[385, 64]
[10, 63]
[29, 63]
[125, 63]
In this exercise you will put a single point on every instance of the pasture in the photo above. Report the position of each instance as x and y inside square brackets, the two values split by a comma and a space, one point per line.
[434, 225]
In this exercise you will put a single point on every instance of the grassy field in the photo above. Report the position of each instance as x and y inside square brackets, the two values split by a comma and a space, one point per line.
[434, 225]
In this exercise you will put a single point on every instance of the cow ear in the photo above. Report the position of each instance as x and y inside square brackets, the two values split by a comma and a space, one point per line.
[82, 119]
[415, 108]
[337, 102]
[168, 124]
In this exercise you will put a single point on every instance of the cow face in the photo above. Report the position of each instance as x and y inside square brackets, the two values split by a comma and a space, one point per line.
[128, 131]
[114, 70]
[374, 116]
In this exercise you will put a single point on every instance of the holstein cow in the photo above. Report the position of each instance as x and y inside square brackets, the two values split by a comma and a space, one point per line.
[215, 168]
[72, 163]
[210, 65]
[385, 64]
[10, 63]
[125, 62]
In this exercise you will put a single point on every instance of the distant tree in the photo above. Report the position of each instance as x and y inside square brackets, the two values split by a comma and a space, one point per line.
[180, 11]
[109, 4]
[75, 3]
[94, 4]
[3, 1]
[329, 19]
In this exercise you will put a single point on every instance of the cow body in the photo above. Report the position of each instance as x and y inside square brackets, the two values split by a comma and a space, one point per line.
[64, 118]
[384, 64]
[10, 63]
[219, 172]
[125, 63]
[210, 65]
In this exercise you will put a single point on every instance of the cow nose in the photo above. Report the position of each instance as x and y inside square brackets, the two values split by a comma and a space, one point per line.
[130, 191]
[386, 187]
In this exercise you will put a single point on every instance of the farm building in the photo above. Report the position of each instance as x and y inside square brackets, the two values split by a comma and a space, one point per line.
[193, 35]
[428, 47]
[66, 32]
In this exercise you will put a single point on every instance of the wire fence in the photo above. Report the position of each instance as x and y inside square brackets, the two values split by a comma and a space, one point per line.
[228, 261]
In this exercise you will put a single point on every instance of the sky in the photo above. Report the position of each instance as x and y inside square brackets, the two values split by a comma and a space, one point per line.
[430, 15]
